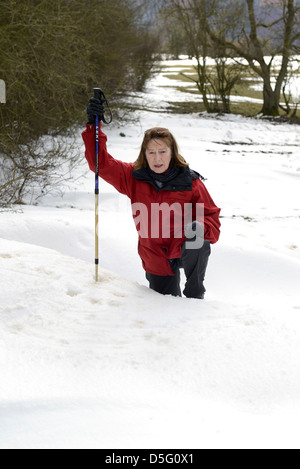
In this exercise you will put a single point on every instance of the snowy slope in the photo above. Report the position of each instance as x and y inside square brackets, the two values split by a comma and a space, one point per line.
[117, 365]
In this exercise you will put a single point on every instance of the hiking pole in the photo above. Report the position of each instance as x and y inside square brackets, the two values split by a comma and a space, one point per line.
[98, 94]
[96, 198]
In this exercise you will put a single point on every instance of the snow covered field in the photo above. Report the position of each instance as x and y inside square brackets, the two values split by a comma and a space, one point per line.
[115, 365]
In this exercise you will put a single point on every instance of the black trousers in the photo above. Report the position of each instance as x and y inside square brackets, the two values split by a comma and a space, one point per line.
[194, 262]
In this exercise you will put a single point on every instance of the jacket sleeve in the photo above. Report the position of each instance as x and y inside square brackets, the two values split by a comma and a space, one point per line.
[211, 212]
[113, 171]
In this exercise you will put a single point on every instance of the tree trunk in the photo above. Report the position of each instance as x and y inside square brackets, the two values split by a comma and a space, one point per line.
[271, 101]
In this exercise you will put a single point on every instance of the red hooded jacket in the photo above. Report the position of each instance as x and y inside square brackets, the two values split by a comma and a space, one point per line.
[150, 203]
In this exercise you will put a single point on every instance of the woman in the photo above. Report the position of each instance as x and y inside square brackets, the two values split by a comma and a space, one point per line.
[175, 217]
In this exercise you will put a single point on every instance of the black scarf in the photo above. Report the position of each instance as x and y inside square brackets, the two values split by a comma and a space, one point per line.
[162, 180]
[176, 179]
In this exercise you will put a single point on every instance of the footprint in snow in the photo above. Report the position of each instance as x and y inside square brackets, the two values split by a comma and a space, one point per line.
[6, 256]
[119, 294]
[95, 301]
[114, 303]
[72, 293]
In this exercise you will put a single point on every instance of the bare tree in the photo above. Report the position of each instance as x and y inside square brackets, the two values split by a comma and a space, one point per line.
[258, 31]
[214, 81]
[291, 93]
[264, 33]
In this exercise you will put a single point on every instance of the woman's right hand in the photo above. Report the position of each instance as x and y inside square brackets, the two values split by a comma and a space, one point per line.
[95, 108]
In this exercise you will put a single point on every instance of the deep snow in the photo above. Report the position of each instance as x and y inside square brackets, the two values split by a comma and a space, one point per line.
[113, 364]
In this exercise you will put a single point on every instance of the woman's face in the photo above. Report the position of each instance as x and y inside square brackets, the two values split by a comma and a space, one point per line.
[158, 155]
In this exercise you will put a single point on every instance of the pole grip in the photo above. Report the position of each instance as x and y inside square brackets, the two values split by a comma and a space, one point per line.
[98, 94]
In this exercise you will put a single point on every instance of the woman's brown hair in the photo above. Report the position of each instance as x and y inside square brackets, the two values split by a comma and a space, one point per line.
[155, 134]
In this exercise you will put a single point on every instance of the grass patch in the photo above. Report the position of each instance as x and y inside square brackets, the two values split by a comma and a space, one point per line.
[243, 89]
[186, 107]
